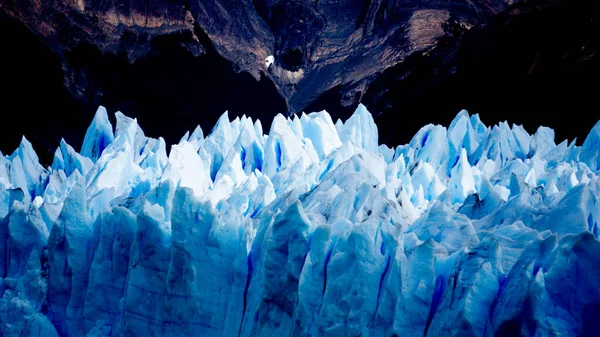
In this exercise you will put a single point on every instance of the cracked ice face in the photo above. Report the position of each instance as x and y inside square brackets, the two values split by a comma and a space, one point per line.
[313, 229]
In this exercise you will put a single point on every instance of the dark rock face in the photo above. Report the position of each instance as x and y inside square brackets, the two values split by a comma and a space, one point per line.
[536, 63]
[324, 44]
[192, 60]
[171, 78]
[316, 44]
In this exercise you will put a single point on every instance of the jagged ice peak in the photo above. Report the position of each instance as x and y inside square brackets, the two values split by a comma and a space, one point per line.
[312, 230]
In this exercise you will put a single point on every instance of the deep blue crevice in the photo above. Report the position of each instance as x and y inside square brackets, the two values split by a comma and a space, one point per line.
[248, 279]
[258, 156]
[278, 154]
[141, 150]
[536, 267]
[243, 157]
[329, 165]
[386, 270]
[454, 289]
[440, 287]
[256, 210]
[216, 165]
[455, 161]
[424, 139]
[247, 209]
[325, 265]
[103, 143]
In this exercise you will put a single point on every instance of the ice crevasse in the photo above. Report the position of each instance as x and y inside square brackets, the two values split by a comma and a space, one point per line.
[312, 230]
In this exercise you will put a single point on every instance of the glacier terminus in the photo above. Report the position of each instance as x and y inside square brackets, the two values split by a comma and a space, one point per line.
[314, 229]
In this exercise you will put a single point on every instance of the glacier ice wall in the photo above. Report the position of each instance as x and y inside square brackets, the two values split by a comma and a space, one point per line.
[312, 230]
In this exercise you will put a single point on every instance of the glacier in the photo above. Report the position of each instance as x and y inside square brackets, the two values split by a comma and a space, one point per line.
[314, 229]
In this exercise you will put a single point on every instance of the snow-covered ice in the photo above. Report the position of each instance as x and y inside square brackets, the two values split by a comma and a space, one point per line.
[269, 60]
[312, 230]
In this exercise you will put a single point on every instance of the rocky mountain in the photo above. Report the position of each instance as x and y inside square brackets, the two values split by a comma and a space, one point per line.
[536, 63]
[195, 59]
[316, 45]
